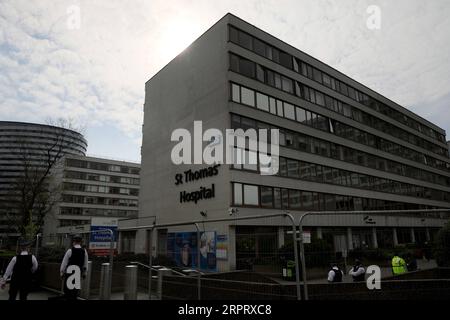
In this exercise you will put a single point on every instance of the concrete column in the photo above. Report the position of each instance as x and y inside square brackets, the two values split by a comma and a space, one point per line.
[141, 243]
[280, 237]
[374, 238]
[349, 239]
[119, 243]
[413, 236]
[232, 248]
[394, 235]
[319, 233]
[427, 234]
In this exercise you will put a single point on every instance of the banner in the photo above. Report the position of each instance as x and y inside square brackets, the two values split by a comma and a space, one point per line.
[182, 248]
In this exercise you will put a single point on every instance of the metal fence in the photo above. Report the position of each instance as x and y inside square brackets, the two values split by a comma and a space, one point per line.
[275, 256]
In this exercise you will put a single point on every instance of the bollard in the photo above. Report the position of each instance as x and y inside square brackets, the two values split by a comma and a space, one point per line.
[131, 276]
[86, 283]
[161, 273]
[105, 285]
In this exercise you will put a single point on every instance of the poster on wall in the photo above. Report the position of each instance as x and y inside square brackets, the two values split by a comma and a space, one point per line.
[100, 242]
[222, 247]
[182, 249]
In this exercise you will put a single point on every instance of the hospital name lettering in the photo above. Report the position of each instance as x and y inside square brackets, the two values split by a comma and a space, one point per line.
[195, 196]
[191, 176]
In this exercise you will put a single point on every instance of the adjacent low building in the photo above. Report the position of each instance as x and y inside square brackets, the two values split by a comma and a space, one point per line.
[83, 188]
[92, 188]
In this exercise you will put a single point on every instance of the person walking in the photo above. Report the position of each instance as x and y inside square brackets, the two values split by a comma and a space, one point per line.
[20, 270]
[335, 274]
[74, 256]
[358, 272]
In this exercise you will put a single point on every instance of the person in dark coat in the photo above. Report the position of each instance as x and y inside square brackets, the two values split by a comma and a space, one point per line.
[74, 256]
[20, 270]
[358, 272]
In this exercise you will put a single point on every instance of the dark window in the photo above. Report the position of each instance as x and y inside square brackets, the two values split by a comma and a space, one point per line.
[294, 199]
[284, 198]
[286, 60]
[266, 197]
[245, 40]
[234, 35]
[277, 197]
[292, 168]
[307, 200]
[259, 47]
[247, 68]
[234, 63]
[283, 167]
[317, 75]
[326, 80]
[287, 85]
[259, 73]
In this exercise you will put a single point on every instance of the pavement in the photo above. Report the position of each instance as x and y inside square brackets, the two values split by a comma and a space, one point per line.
[45, 294]
[35, 295]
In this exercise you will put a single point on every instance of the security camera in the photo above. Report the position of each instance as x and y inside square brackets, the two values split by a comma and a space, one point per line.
[232, 211]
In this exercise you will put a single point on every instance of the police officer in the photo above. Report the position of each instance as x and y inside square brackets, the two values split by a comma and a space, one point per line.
[74, 256]
[357, 272]
[21, 269]
[335, 274]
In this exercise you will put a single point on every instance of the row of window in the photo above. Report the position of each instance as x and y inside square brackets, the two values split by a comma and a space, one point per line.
[265, 50]
[71, 222]
[302, 170]
[280, 108]
[100, 177]
[305, 143]
[99, 200]
[100, 189]
[354, 94]
[98, 212]
[253, 70]
[292, 199]
[101, 166]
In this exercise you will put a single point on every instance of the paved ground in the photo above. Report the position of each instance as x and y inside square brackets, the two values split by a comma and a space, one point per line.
[37, 295]
[45, 294]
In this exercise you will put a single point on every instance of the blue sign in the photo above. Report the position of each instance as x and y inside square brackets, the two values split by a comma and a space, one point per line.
[97, 235]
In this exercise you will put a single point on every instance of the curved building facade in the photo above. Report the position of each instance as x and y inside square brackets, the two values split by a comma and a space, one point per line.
[20, 142]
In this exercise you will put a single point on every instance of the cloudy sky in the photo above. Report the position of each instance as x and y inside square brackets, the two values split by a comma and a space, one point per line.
[94, 71]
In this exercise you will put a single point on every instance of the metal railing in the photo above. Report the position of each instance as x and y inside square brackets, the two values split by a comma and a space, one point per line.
[196, 223]
[368, 212]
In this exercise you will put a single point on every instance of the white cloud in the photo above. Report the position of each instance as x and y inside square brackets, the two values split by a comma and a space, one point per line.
[97, 73]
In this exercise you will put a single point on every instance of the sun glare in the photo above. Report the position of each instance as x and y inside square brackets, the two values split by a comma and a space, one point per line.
[176, 37]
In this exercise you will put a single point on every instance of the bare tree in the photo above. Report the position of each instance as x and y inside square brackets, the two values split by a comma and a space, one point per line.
[35, 191]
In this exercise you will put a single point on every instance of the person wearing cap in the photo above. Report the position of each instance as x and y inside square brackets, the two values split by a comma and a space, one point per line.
[358, 272]
[20, 269]
[74, 256]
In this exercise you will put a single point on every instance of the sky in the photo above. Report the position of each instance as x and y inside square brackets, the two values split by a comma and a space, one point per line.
[88, 61]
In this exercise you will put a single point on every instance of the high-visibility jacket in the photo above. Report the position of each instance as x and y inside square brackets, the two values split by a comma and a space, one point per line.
[398, 265]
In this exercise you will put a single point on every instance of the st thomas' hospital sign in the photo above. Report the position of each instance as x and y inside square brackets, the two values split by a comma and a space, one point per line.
[192, 176]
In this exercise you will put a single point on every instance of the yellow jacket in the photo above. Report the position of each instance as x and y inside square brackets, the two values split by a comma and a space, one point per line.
[398, 265]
